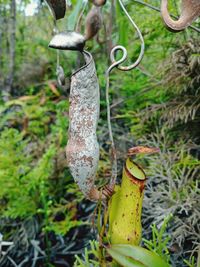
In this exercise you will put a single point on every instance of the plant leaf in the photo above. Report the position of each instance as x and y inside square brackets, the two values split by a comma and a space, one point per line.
[124, 260]
[73, 17]
[135, 256]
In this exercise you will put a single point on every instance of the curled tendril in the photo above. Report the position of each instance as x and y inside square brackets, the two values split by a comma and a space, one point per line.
[123, 49]
[116, 63]
[112, 57]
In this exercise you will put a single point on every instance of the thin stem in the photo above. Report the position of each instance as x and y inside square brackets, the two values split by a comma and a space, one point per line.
[58, 58]
[136, 63]
[101, 236]
[77, 27]
[116, 63]
[113, 150]
[55, 31]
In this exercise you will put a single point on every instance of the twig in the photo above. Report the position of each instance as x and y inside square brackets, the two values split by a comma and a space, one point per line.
[117, 103]
[147, 73]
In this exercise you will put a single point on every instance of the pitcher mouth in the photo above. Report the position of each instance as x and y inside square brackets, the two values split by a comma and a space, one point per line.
[68, 40]
[88, 60]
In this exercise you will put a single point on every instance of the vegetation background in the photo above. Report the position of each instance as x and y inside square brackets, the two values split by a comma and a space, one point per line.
[44, 219]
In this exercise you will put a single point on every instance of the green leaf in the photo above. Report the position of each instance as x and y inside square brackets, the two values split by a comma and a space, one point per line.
[72, 19]
[124, 260]
[134, 256]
